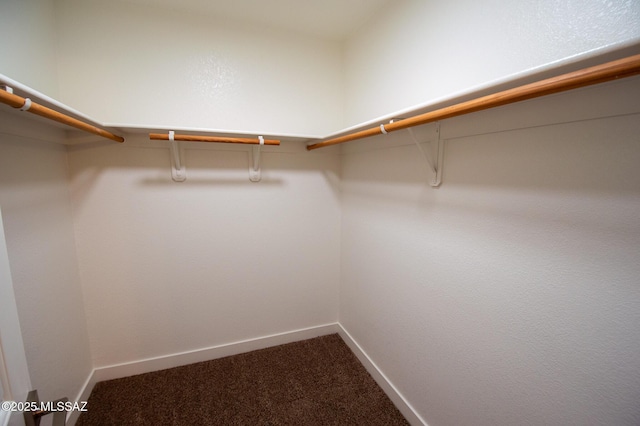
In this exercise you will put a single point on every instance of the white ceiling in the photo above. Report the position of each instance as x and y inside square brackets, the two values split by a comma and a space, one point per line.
[334, 19]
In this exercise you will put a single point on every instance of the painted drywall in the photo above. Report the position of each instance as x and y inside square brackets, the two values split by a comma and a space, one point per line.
[15, 382]
[38, 226]
[510, 294]
[172, 267]
[146, 65]
[415, 52]
[332, 19]
[28, 43]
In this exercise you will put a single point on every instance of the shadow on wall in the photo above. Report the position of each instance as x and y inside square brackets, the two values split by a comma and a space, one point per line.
[218, 171]
[213, 182]
[593, 155]
[581, 175]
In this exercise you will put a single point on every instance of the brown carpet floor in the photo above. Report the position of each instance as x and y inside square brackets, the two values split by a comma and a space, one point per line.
[312, 382]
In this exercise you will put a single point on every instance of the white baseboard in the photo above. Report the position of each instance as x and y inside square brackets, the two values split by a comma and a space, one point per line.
[394, 395]
[83, 395]
[184, 358]
[189, 357]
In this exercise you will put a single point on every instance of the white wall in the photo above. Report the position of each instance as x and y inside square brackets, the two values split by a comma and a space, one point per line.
[510, 294]
[36, 210]
[28, 43]
[507, 296]
[418, 51]
[170, 267]
[15, 382]
[125, 63]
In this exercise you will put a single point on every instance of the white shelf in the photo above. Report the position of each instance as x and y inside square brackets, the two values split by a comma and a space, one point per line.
[528, 76]
[78, 137]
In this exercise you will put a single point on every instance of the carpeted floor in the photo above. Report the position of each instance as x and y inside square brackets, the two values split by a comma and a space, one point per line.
[312, 382]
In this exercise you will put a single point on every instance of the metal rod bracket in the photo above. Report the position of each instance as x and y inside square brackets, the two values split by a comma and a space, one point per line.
[433, 155]
[178, 168]
[255, 174]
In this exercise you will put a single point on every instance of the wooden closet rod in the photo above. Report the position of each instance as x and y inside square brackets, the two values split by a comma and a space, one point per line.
[34, 108]
[588, 76]
[220, 139]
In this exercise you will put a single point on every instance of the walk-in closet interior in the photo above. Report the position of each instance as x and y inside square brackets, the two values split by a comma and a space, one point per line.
[483, 265]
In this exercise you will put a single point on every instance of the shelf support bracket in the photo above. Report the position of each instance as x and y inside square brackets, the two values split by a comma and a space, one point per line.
[433, 155]
[178, 168]
[255, 174]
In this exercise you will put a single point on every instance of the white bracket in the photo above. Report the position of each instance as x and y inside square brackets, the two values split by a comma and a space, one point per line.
[434, 152]
[178, 168]
[254, 162]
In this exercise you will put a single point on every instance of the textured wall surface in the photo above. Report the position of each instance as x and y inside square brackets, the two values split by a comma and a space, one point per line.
[36, 210]
[169, 267]
[510, 294]
[28, 43]
[419, 51]
[15, 382]
[128, 63]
